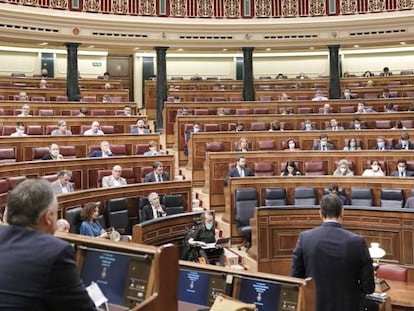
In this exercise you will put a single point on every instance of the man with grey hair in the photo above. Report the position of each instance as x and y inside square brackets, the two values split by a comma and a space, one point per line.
[115, 179]
[62, 129]
[154, 209]
[38, 271]
[63, 184]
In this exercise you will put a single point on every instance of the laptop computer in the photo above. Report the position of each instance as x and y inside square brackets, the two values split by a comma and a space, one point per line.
[220, 243]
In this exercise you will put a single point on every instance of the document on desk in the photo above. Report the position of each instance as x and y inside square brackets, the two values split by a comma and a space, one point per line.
[209, 245]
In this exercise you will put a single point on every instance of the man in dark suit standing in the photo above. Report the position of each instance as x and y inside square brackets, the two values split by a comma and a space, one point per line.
[154, 209]
[38, 271]
[158, 174]
[240, 170]
[338, 260]
[402, 169]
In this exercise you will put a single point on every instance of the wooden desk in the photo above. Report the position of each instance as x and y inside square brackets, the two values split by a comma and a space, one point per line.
[401, 294]
[23, 145]
[131, 192]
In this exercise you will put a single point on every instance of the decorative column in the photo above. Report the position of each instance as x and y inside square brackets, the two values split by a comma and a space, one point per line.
[334, 77]
[72, 84]
[161, 84]
[248, 85]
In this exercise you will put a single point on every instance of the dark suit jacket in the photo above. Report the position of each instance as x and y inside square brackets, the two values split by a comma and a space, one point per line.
[407, 173]
[363, 127]
[328, 147]
[234, 172]
[146, 213]
[340, 264]
[38, 272]
[399, 147]
[150, 177]
[386, 147]
[98, 154]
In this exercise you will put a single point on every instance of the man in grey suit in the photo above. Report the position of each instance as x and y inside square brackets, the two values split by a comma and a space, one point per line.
[402, 170]
[158, 174]
[63, 184]
[334, 126]
[114, 180]
[62, 129]
[338, 260]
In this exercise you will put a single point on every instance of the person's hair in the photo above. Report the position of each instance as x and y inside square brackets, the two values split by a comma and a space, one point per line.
[373, 161]
[151, 195]
[196, 123]
[204, 215]
[88, 210]
[157, 164]
[357, 119]
[405, 136]
[386, 69]
[61, 122]
[239, 157]
[83, 110]
[349, 142]
[64, 172]
[402, 161]
[389, 106]
[398, 124]
[275, 125]
[331, 206]
[152, 143]
[28, 201]
[333, 187]
[127, 106]
[61, 222]
[291, 164]
[106, 73]
[18, 124]
[343, 161]
[323, 135]
[386, 90]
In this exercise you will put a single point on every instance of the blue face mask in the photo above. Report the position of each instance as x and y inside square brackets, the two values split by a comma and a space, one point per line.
[209, 225]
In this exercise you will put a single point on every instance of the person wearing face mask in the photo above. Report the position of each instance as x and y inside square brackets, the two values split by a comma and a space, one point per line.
[54, 153]
[382, 144]
[196, 129]
[343, 169]
[323, 144]
[402, 170]
[352, 145]
[347, 94]
[19, 130]
[206, 233]
[308, 126]
[374, 171]
[404, 143]
[291, 145]
[357, 125]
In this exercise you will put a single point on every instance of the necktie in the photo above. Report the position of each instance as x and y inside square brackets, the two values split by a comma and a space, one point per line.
[402, 174]
[159, 178]
[323, 147]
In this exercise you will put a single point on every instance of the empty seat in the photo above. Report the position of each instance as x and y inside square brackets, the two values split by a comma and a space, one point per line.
[108, 129]
[260, 111]
[218, 99]
[117, 215]
[275, 197]
[392, 272]
[140, 149]
[46, 112]
[305, 196]
[200, 112]
[302, 97]
[98, 112]
[266, 145]
[211, 127]
[173, 203]
[38, 99]
[246, 200]
[258, 126]
[347, 109]
[8, 130]
[382, 124]
[50, 129]
[410, 94]
[34, 130]
[265, 98]
[68, 152]
[14, 180]
[362, 197]
[215, 146]
[370, 95]
[315, 168]
[263, 169]
[119, 149]
[116, 99]
[89, 99]
[242, 111]
[50, 177]
[238, 98]
[39, 152]
[74, 219]
[7, 155]
[406, 72]
[304, 110]
[128, 174]
[62, 98]
[407, 123]
[199, 99]
[392, 198]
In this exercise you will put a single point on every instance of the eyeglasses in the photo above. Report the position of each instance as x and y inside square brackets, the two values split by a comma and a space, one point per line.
[117, 171]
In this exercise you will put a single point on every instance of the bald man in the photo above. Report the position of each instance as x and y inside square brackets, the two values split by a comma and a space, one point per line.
[114, 180]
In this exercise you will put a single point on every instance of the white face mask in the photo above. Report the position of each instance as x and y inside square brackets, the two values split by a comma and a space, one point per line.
[196, 130]
[308, 126]
[323, 143]
[381, 144]
[20, 131]
[401, 169]
[352, 144]
[55, 153]
[375, 168]
[357, 126]
[342, 169]
[291, 145]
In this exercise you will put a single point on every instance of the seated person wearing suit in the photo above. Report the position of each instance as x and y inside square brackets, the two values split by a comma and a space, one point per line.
[90, 225]
[240, 170]
[382, 144]
[153, 149]
[196, 129]
[386, 72]
[308, 126]
[158, 174]
[347, 94]
[338, 260]
[140, 128]
[323, 144]
[334, 126]
[154, 209]
[206, 233]
[38, 271]
[54, 153]
[103, 153]
[63, 184]
[402, 169]
[404, 143]
[62, 129]
[115, 179]
[357, 125]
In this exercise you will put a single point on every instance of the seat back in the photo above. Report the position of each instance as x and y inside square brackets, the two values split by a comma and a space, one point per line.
[119, 149]
[128, 174]
[50, 177]
[265, 98]
[263, 169]
[315, 168]
[304, 110]
[117, 215]
[266, 145]
[89, 99]
[144, 171]
[260, 111]
[8, 130]
[200, 112]
[383, 124]
[392, 272]
[38, 99]
[258, 126]
[108, 129]
[61, 98]
[305, 196]
[275, 197]
[242, 111]
[140, 149]
[102, 174]
[141, 202]
[347, 109]
[214, 146]
[211, 127]
[362, 197]
[7, 155]
[246, 200]
[174, 203]
[84, 128]
[74, 219]
[39, 152]
[68, 152]
[34, 130]
[46, 112]
[14, 180]
[392, 198]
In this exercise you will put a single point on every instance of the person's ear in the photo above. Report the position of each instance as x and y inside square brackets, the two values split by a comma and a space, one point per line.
[320, 214]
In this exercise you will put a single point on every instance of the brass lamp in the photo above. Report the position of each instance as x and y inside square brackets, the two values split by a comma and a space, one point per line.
[376, 254]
